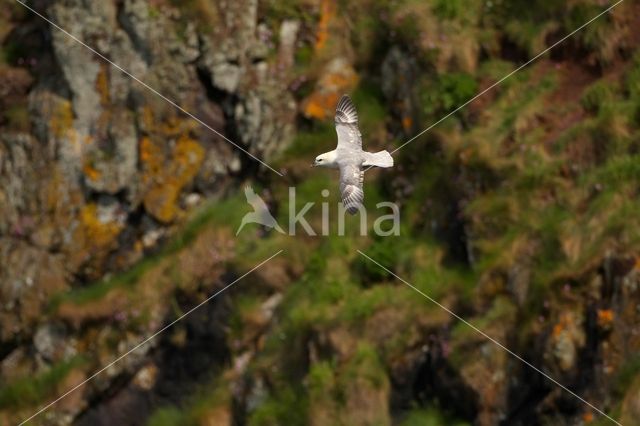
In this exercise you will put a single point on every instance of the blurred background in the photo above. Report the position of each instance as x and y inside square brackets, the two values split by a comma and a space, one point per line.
[519, 212]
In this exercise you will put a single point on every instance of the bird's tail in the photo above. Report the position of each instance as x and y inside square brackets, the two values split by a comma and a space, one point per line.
[378, 159]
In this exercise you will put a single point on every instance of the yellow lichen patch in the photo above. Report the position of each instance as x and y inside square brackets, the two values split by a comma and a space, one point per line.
[62, 119]
[61, 126]
[175, 126]
[155, 120]
[165, 178]
[97, 234]
[188, 156]
[161, 200]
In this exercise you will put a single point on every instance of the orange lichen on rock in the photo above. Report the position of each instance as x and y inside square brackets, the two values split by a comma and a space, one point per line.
[165, 177]
[321, 105]
[90, 171]
[327, 13]
[407, 122]
[558, 328]
[152, 159]
[339, 78]
[565, 322]
[605, 318]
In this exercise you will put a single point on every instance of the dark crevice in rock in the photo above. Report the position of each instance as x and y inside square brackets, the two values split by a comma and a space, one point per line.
[111, 405]
[215, 95]
[228, 102]
[437, 381]
[30, 43]
[454, 233]
[128, 26]
[509, 51]
[526, 392]
[8, 346]
[189, 354]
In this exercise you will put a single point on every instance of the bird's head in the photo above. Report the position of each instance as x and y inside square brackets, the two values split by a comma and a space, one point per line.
[325, 160]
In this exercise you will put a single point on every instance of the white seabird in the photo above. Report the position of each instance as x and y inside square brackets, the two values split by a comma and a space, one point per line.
[349, 156]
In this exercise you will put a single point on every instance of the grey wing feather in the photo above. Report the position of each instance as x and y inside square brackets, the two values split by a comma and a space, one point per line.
[346, 120]
[351, 180]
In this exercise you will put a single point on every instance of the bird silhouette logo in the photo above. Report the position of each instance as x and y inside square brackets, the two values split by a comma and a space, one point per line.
[260, 213]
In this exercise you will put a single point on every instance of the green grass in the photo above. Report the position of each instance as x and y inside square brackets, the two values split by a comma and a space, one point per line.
[321, 377]
[168, 416]
[365, 364]
[287, 405]
[384, 250]
[597, 95]
[10, 52]
[450, 9]
[362, 304]
[446, 93]
[430, 416]
[17, 117]
[195, 407]
[33, 390]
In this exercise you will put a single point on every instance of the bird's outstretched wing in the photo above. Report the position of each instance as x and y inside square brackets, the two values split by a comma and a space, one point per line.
[351, 178]
[347, 124]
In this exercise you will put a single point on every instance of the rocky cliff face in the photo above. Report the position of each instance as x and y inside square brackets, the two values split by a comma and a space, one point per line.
[118, 213]
[104, 167]
[95, 168]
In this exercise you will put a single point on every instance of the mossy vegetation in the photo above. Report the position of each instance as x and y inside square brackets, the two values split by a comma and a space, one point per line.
[30, 391]
[207, 401]
[429, 417]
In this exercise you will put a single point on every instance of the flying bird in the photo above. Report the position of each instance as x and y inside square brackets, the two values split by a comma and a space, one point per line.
[349, 156]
